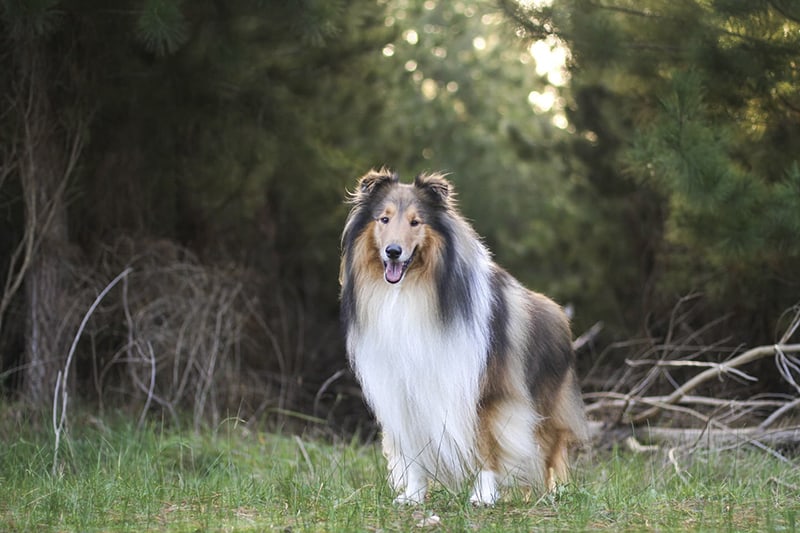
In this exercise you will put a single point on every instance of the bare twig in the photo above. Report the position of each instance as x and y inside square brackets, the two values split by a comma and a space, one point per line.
[788, 366]
[60, 419]
[150, 393]
[661, 363]
[587, 337]
[303, 451]
[674, 461]
[771, 419]
[327, 383]
[795, 488]
[617, 400]
[637, 447]
[793, 325]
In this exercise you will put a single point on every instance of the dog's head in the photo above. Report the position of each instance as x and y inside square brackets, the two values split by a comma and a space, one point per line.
[401, 216]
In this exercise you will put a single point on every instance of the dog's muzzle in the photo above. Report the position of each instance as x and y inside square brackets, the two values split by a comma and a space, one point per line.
[393, 268]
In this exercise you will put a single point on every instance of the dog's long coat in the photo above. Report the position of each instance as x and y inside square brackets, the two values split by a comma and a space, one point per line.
[470, 375]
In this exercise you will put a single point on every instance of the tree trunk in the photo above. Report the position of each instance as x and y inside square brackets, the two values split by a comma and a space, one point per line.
[44, 163]
[46, 288]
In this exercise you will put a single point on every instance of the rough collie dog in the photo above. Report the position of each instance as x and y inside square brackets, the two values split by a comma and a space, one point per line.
[470, 375]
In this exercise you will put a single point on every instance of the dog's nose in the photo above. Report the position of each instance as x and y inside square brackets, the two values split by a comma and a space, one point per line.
[393, 251]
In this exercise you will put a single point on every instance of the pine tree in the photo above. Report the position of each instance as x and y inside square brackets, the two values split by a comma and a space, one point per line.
[692, 106]
[169, 119]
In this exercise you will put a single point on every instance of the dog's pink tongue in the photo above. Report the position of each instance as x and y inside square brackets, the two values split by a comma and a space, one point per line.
[394, 271]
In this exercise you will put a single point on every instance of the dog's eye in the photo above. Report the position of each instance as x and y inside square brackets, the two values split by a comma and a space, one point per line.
[414, 222]
[384, 220]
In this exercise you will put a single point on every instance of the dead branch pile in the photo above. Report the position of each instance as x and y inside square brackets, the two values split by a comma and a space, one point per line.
[676, 394]
[176, 328]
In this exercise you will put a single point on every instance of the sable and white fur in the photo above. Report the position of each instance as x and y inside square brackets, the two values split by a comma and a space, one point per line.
[470, 375]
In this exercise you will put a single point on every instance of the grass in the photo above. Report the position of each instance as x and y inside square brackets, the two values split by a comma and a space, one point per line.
[115, 478]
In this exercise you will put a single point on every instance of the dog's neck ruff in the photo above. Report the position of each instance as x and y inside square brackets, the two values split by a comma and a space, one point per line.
[422, 376]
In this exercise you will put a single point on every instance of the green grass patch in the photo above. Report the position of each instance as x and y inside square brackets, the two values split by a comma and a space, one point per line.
[115, 478]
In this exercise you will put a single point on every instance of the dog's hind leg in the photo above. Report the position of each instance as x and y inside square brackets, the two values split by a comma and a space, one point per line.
[565, 427]
[557, 462]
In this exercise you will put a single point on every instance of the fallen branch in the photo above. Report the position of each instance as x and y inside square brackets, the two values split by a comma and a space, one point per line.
[716, 371]
[718, 437]
[617, 400]
[768, 421]
[648, 436]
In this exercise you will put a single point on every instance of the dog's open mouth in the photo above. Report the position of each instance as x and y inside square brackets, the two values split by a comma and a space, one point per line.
[394, 270]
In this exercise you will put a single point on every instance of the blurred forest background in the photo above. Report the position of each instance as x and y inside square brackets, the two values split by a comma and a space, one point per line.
[636, 160]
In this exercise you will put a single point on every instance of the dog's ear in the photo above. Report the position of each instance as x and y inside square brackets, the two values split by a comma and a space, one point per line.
[437, 187]
[375, 179]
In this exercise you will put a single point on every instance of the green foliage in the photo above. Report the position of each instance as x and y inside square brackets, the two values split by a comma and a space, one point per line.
[29, 18]
[692, 108]
[161, 26]
[455, 91]
[718, 206]
[665, 162]
[224, 126]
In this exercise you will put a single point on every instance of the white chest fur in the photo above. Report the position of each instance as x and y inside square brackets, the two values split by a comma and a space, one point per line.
[422, 379]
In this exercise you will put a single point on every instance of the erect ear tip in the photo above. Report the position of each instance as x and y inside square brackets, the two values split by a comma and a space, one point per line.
[436, 183]
[368, 181]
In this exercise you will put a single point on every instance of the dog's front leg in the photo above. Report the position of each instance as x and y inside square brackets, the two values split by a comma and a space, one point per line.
[416, 486]
[405, 476]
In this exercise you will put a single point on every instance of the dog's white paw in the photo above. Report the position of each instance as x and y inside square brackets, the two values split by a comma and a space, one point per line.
[484, 500]
[485, 492]
[409, 499]
[416, 487]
